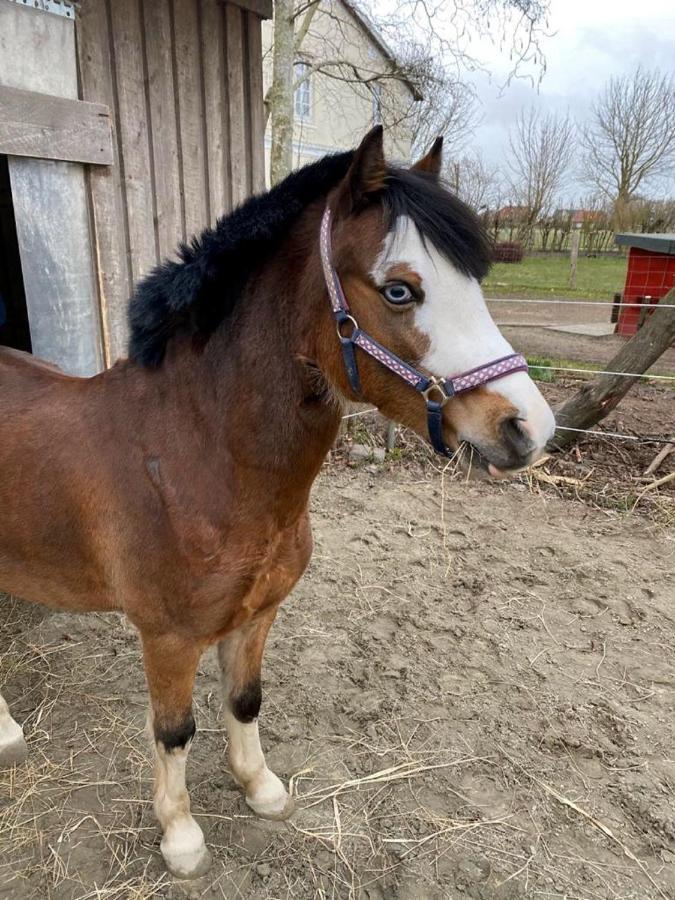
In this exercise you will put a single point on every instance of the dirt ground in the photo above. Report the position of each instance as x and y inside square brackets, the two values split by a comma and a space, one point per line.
[472, 692]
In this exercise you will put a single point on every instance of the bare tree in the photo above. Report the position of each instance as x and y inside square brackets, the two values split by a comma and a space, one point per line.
[474, 181]
[646, 215]
[449, 109]
[418, 33]
[630, 141]
[541, 152]
[279, 98]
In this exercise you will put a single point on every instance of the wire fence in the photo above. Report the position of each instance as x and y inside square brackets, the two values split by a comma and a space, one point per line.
[645, 439]
[646, 375]
[595, 303]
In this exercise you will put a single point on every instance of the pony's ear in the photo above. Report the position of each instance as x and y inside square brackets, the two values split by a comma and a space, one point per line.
[366, 176]
[431, 163]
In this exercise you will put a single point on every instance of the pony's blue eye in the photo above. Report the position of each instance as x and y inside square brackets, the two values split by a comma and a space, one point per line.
[398, 293]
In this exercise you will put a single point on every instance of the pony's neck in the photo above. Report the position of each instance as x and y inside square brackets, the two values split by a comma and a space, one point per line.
[260, 398]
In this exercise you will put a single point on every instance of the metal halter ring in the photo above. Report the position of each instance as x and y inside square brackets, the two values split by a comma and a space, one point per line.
[341, 322]
[435, 384]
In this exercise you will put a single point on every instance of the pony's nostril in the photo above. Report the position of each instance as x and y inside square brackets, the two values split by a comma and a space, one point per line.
[516, 438]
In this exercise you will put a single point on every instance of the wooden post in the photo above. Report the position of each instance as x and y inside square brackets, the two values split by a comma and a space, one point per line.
[391, 436]
[598, 398]
[574, 256]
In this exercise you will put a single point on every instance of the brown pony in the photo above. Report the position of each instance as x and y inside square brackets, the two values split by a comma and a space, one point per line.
[174, 487]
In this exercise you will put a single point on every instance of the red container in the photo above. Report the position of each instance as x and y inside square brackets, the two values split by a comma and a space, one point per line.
[650, 275]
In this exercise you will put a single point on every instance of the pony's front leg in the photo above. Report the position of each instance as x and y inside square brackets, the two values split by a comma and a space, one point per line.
[13, 747]
[170, 667]
[240, 655]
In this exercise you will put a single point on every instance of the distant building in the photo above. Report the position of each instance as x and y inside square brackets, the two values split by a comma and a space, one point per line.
[331, 113]
[512, 215]
[580, 217]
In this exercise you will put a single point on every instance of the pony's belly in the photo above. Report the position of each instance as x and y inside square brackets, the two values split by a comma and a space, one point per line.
[54, 592]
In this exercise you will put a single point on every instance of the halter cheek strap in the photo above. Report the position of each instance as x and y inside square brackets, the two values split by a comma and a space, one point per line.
[435, 391]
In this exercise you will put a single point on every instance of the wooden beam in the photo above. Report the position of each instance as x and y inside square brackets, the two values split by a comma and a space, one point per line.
[164, 127]
[133, 124]
[46, 127]
[108, 222]
[191, 115]
[236, 87]
[214, 66]
[255, 99]
[262, 8]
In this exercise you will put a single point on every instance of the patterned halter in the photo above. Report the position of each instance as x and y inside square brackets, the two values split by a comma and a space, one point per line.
[436, 391]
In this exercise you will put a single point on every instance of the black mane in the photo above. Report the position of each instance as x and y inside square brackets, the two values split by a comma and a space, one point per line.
[197, 292]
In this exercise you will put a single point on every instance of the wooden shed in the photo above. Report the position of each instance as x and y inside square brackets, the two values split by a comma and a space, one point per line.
[125, 127]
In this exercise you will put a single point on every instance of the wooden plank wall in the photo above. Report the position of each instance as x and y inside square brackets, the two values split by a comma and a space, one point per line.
[184, 81]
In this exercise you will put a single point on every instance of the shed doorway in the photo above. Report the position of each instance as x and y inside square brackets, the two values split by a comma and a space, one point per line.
[14, 328]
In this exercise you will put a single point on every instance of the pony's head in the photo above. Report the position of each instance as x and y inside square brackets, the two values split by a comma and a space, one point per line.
[410, 257]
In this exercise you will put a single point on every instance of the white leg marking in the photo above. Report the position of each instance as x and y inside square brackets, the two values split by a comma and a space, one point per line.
[265, 793]
[13, 747]
[182, 846]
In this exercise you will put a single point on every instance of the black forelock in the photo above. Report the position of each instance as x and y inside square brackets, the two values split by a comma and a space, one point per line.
[441, 218]
[195, 293]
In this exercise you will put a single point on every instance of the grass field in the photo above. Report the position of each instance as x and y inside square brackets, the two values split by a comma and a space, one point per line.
[598, 278]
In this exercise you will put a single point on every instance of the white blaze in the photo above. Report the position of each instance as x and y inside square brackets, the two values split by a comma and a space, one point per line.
[462, 334]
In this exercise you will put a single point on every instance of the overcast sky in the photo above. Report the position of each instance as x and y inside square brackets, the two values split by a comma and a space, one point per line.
[590, 41]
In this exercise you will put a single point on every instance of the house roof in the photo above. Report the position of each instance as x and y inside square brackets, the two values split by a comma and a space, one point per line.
[514, 211]
[579, 214]
[370, 29]
[657, 243]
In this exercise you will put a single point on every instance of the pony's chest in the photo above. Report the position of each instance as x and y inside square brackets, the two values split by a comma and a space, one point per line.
[248, 579]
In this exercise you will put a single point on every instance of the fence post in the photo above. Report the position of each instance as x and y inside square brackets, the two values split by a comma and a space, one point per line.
[574, 255]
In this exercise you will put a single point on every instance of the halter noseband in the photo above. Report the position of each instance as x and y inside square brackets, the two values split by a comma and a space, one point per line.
[436, 391]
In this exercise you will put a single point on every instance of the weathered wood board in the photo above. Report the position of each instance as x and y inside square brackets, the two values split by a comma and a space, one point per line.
[47, 127]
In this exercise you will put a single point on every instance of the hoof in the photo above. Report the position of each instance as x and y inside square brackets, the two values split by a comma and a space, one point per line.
[187, 865]
[277, 811]
[13, 748]
[184, 849]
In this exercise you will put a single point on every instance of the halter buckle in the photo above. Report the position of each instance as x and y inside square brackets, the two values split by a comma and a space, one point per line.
[435, 384]
[341, 321]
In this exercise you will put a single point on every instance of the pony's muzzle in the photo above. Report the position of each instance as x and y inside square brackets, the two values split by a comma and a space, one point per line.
[524, 427]
[518, 445]
[512, 444]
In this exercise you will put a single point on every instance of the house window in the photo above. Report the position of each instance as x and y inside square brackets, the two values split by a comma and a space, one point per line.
[376, 98]
[303, 93]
